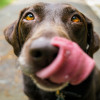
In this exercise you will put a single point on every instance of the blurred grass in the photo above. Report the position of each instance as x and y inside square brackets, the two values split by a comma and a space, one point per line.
[4, 3]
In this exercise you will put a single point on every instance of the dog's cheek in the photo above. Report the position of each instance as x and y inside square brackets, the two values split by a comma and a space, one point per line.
[25, 60]
[79, 34]
[24, 29]
[78, 30]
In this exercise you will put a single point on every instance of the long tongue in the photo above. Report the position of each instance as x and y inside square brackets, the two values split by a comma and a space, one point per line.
[71, 65]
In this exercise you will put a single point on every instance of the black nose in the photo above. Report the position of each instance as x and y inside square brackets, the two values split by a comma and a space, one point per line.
[42, 52]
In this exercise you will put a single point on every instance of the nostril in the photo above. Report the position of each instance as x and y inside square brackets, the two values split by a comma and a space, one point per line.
[36, 54]
[55, 54]
[42, 52]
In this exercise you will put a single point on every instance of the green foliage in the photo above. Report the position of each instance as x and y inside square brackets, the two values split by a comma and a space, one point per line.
[3, 3]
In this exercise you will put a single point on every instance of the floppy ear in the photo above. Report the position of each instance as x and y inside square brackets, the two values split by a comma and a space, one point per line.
[12, 35]
[93, 39]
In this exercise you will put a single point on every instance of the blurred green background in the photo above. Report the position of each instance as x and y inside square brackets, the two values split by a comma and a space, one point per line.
[4, 3]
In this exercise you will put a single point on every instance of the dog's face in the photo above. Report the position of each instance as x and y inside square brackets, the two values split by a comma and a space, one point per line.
[31, 34]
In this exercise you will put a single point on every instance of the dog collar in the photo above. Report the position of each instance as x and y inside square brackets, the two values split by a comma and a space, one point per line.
[60, 96]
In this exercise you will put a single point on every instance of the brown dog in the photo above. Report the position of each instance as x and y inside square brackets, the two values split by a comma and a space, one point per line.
[30, 37]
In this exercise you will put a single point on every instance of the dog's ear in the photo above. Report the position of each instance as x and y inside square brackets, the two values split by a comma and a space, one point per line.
[12, 35]
[93, 39]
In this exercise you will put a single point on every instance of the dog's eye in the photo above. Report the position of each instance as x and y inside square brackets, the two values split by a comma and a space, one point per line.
[76, 18]
[29, 17]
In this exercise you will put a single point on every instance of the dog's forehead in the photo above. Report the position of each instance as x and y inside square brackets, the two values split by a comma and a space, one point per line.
[58, 7]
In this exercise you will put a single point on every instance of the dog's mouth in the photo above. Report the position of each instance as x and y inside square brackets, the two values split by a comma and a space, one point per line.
[47, 85]
[70, 66]
[46, 77]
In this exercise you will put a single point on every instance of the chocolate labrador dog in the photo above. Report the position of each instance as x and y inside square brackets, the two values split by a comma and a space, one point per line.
[30, 37]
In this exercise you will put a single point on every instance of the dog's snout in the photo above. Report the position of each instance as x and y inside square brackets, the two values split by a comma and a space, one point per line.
[42, 52]
[36, 53]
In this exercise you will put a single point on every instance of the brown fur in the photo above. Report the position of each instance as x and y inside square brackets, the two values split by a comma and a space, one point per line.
[55, 20]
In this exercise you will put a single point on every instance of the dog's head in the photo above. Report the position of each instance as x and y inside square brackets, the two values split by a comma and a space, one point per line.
[31, 34]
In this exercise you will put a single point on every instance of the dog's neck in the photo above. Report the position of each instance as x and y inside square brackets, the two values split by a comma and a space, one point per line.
[61, 95]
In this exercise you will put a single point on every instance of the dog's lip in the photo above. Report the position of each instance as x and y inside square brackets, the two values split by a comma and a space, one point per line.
[46, 84]
[43, 84]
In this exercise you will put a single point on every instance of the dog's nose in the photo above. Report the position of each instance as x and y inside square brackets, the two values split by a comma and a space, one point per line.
[42, 52]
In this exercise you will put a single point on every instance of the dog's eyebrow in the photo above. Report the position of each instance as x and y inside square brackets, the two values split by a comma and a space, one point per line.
[69, 10]
[39, 8]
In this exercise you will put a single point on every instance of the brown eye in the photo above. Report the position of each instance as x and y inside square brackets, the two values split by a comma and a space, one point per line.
[75, 19]
[29, 17]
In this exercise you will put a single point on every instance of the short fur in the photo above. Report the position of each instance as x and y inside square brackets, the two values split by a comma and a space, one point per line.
[55, 20]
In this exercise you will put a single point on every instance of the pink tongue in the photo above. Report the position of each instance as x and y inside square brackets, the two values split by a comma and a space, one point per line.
[71, 65]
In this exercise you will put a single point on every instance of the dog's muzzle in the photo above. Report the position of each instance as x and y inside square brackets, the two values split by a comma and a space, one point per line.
[56, 62]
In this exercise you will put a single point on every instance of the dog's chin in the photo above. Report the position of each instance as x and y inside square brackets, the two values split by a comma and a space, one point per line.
[47, 85]
[43, 84]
